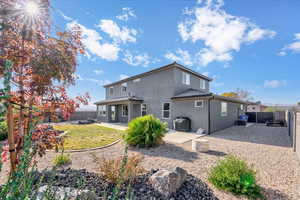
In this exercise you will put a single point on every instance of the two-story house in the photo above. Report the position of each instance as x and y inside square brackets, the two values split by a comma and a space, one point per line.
[169, 92]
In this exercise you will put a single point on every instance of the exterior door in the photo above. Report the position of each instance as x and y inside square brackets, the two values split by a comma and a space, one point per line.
[113, 113]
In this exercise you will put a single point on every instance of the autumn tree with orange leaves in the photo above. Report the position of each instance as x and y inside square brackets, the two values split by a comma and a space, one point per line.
[38, 66]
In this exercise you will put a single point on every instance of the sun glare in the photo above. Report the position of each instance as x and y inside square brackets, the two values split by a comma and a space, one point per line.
[31, 8]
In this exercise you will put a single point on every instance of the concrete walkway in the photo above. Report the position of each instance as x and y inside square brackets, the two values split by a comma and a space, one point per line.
[178, 137]
[119, 126]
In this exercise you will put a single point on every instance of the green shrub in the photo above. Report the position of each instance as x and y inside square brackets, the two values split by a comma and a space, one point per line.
[146, 131]
[3, 130]
[61, 159]
[233, 175]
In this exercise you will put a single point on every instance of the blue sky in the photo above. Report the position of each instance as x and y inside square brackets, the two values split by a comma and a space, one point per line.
[253, 45]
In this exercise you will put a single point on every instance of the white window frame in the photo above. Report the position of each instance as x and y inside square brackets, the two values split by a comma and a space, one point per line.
[196, 106]
[202, 84]
[224, 113]
[162, 113]
[123, 113]
[124, 85]
[143, 110]
[102, 110]
[186, 78]
[111, 90]
[242, 107]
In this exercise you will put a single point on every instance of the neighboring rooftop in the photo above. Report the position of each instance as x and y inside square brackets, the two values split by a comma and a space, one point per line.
[169, 66]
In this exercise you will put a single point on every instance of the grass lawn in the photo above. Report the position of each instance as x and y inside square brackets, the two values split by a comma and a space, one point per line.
[88, 136]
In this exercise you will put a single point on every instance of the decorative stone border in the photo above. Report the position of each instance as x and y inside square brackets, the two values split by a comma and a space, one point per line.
[92, 149]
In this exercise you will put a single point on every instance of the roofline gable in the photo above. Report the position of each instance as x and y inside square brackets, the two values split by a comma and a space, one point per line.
[156, 70]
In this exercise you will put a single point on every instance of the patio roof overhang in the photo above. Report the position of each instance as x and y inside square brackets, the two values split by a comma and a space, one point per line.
[123, 100]
[192, 94]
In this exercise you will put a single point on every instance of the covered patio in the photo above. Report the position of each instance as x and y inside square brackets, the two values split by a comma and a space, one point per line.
[120, 110]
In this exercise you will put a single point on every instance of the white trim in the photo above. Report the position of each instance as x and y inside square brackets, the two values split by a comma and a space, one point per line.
[202, 84]
[100, 111]
[136, 80]
[195, 103]
[144, 110]
[111, 89]
[186, 78]
[224, 114]
[162, 110]
[124, 110]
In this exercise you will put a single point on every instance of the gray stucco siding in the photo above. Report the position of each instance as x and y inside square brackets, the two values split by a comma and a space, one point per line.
[198, 115]
[194, 82]
[218, 122]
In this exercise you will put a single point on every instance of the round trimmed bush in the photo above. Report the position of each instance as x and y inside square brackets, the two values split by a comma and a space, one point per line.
[146, 131]
[233, 175]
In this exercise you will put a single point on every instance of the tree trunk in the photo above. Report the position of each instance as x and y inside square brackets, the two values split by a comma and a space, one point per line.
[11, 139]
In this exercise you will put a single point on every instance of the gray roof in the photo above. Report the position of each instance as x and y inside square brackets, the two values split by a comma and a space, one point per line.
[192, 93]
[117, 100]
[174, 64]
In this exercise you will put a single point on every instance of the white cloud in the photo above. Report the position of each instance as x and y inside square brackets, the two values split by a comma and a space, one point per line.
[91, 40]
[99, 82]
[67, 18]
[140, 59]
[294, 46]
[118, 34]
[123, 76]
[98, 71]
[127, 13]
[274, 83]
[220, 32]
[181, 56]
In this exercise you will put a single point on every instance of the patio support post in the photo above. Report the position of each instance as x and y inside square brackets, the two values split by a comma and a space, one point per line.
[129, 112]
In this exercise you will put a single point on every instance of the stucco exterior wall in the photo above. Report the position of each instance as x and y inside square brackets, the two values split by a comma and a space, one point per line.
[219, 122]
[194, 82]
[198, 116]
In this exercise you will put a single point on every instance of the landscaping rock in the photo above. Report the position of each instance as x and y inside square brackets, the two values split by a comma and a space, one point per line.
[62, 193]
[168, 182]
[140, 188]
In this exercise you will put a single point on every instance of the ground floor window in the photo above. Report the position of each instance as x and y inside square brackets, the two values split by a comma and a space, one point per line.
[124, 110]
[166, 110]
[143, 109]
[223, 109]
[199, 103]
[102, 110]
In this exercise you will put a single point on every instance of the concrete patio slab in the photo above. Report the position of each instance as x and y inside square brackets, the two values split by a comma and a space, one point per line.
[178, 137]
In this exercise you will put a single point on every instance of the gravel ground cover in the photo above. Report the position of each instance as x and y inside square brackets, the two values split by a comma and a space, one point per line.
[267, 149]
[192, 188]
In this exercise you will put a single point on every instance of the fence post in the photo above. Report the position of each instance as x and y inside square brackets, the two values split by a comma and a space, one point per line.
[295, 131]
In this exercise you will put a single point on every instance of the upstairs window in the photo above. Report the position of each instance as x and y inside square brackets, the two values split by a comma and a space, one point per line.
[202, 84]
[102, 110]
[124, 87]
[143, 109]
[223, 109]
[124, 110]
[199, 104]
[186, 78]
[111, 90]
[166, 110]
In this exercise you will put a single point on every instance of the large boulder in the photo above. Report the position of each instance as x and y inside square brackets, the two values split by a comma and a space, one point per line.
[167, 182]
[62, 193]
